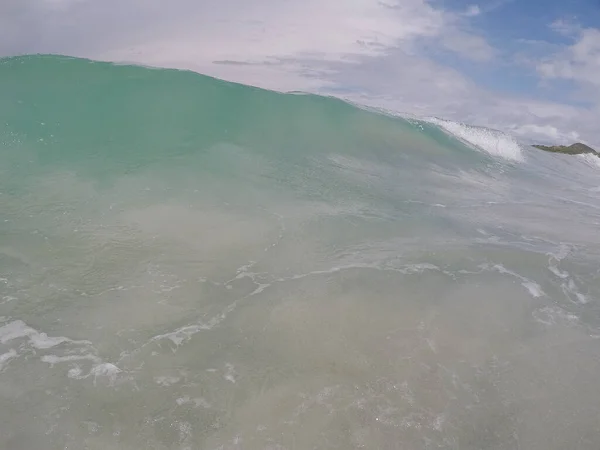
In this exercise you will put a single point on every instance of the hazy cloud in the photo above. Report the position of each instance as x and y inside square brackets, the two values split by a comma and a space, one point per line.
[566, 26]
[472, 11]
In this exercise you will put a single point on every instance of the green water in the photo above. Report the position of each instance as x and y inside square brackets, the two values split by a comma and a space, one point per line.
[187, 263]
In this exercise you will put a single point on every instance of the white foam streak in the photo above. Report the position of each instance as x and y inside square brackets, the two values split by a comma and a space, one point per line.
[553, 315]
[17, 329]
[556, 271]
[570, 289]
[185, 333]
[532, 287]
[53, 359]
[568, 285]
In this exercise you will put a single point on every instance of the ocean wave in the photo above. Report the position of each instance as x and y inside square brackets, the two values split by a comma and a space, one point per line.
[191, 263]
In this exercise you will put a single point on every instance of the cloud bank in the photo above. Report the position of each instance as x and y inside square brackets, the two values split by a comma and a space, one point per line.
[413, 56]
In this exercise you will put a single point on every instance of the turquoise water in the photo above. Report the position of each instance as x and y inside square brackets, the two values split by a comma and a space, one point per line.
[187, 263]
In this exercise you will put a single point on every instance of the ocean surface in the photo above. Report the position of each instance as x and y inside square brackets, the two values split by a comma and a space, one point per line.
[187, 263]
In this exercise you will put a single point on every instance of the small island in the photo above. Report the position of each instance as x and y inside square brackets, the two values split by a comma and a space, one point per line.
[573, 149]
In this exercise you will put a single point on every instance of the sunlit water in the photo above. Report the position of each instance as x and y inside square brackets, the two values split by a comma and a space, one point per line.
[191, 264]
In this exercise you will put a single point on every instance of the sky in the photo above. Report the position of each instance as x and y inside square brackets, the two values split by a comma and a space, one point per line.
[527, 67]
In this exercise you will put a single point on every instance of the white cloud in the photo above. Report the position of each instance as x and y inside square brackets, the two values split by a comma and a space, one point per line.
[192, 32]
[579, 62]
[472, 11]
[230, 29]
[545, 132]
[193, 35]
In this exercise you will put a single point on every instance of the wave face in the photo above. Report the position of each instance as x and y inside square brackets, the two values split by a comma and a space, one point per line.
[188, 263]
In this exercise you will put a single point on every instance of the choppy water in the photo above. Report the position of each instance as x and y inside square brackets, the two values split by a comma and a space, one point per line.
[192, 264]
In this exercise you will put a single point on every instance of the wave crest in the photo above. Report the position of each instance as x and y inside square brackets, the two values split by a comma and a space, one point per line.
[493, 142]
[590, 160]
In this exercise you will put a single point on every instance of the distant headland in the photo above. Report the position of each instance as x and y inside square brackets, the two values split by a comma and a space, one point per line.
[573, 149]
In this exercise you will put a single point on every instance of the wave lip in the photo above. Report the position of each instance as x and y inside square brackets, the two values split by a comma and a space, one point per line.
[590, 160]
[493, 142]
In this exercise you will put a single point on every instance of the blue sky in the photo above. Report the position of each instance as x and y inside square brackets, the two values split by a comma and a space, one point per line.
[524, 28]
[527, 67]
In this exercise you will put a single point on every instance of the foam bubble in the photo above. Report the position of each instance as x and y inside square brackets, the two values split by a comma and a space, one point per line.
[494, 142]
[74, 372]
[230, 373]
[533, 288]
[106, 370]
[4, 358]
[197, 402]
[166, 381]
[183, 400]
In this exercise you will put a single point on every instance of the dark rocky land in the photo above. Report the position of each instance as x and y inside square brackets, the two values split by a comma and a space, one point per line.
[573, 149]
